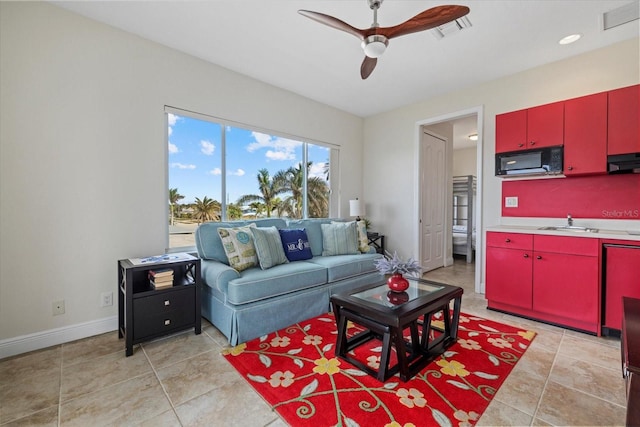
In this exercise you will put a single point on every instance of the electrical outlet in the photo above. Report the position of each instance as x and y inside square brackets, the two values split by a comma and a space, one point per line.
[57, 307]
[106, 299]
[511, 202]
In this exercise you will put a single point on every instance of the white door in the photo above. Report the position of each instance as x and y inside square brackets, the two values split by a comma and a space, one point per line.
[432, 212]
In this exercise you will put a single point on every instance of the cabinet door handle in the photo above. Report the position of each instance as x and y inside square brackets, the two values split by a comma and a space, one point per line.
[526, 255]
[167, 302]
[538, 257]
[532, 143]
[570, 168]
[520, 145]
[507, 240]
[167, 322]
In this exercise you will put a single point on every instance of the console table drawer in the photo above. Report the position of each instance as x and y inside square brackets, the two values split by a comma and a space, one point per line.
[157, 314]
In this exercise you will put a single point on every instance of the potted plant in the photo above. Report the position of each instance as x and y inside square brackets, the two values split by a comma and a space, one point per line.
[397, 267]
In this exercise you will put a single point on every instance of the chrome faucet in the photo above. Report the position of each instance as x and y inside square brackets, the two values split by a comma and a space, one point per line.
[569, 220]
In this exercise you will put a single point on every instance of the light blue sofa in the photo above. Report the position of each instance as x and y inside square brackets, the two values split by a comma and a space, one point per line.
[248, 304]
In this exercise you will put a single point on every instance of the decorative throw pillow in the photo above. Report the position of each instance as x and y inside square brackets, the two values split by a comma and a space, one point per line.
[238, 246]
[339, 238]
[268, 247]
[363, 240]
[296, 244]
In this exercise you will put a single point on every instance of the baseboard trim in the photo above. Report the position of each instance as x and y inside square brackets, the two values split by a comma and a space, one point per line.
[44, 339]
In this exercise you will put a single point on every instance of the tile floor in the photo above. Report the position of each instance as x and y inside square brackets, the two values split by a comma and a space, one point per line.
[565, 378]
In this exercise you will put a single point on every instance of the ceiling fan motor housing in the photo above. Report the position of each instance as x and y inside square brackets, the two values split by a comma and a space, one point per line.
[375, 45]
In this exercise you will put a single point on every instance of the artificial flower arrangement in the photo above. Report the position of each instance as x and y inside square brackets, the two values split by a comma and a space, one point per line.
[389, 264]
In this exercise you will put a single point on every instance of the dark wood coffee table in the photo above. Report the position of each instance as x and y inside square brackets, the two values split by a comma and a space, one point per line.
[386, 317]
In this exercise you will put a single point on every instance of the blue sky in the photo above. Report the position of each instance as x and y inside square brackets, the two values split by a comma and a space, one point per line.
[195, 161]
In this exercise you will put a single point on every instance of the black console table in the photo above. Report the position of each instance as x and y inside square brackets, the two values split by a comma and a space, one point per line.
[377, 241]
[145, 313]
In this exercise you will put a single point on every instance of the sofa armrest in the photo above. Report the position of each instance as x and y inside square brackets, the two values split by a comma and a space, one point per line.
[217, 275]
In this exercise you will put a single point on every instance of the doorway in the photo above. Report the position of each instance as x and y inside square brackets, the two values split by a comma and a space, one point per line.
[455, 128]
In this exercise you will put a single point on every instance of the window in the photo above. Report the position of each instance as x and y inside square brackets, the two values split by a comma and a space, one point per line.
[259, 173]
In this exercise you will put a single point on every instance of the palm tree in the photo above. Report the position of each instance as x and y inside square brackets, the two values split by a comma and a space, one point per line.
[257, 207]
[206, 210]
[317, 193]
[233, 211]
[269, 189]
[174, 198]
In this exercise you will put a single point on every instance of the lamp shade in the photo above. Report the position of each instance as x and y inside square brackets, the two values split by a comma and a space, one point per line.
[356, 208]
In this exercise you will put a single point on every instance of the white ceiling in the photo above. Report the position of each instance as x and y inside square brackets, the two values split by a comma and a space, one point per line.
[269, 41]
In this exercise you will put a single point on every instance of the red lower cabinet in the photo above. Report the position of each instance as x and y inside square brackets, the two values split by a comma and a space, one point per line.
[555, 279]
[566, 286]
[509, 273]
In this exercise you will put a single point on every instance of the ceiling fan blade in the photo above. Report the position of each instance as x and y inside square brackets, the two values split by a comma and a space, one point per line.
[367, 67]
[425, 20]
[333, 22]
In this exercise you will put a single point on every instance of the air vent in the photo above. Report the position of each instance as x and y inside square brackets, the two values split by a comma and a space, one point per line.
[451, 27]
[621, 15]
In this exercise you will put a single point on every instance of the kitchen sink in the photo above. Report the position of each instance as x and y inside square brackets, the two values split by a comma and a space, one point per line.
[573, 228]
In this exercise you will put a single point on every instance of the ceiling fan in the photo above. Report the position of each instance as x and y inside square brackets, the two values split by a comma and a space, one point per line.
[375, 39]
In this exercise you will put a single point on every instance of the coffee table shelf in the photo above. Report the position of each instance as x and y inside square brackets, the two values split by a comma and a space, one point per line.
[383, 320]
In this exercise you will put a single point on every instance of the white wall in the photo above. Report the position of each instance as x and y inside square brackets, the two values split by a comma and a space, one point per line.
[465, 162]
[390, 137]
[83, 178]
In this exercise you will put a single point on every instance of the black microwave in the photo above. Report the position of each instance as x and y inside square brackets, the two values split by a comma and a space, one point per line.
[539, 161]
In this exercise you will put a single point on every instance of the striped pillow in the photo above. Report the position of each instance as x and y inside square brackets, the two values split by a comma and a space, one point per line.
[268, 247]
[339, 238]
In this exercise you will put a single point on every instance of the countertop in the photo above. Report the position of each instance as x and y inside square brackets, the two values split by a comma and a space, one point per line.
[601, 234]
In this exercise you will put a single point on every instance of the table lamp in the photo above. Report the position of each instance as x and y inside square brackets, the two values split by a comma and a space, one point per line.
[356, 208]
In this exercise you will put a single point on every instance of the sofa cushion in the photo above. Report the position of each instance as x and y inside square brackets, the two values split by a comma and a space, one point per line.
[339, 238]
[208, 241]
[343, 266]
[239, 247]
[296, 244]
[268, 247]
[256, 284]
[314, 232]
[363, 240]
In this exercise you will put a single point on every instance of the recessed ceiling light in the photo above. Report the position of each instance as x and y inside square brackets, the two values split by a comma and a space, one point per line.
[473, 137]
[570, 39]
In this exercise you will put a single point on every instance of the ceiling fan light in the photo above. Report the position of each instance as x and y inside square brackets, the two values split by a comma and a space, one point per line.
[374, 46]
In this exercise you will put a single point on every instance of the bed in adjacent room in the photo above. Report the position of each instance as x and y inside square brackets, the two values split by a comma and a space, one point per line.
[464, 232]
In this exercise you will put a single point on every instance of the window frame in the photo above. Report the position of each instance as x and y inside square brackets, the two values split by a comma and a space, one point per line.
[334, 155]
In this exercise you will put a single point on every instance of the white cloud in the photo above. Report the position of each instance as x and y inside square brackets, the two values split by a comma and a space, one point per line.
[279, 155]
[207, 147]
[172, 119]
[280, 148]
[238, 172]
[173, 148]
[215, 171]
[170, 130]
[182, 166]
[317, 170]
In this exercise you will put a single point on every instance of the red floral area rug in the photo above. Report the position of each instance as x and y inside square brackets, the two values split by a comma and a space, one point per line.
[295, 370]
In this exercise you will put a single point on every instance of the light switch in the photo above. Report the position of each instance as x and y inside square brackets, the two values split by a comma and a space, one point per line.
[510, 202]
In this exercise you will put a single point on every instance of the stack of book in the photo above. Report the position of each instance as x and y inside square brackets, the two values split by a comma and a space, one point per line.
[159, 279]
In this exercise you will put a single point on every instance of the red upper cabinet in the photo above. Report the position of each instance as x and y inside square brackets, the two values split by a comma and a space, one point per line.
[511, 131]
[545, 125]
[585, 135]
[531, 128]
[624, 122]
